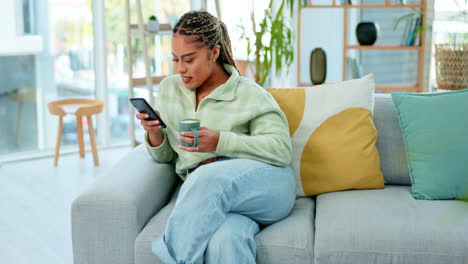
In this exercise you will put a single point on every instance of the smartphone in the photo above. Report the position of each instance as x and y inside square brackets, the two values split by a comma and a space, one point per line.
[143, 107]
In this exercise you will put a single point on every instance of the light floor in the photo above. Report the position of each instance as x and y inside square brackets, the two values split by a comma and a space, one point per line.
[35, 203]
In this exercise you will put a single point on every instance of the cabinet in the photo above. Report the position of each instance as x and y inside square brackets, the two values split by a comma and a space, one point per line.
[139, 31]
[332, 29]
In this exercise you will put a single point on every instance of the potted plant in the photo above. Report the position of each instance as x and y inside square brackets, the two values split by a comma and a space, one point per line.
[272, 42]
[153, 24]
[413, 27]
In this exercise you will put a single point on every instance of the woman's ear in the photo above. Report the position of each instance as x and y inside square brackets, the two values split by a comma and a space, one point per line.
[216, 52]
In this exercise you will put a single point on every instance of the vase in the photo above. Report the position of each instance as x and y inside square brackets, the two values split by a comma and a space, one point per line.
[318, 66]
[367, 33]
[153, 26]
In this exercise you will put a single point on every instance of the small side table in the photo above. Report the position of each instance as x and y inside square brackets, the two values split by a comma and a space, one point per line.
[79, 108]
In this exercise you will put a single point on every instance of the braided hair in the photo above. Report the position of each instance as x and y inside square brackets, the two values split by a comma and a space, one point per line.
[209, 30]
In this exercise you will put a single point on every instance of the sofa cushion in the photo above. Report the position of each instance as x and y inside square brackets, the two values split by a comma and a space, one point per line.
[287, 241]
[290, 240]
[389, 226]
[390, 144]
[154, 228]
[332, 125]
[435, 132]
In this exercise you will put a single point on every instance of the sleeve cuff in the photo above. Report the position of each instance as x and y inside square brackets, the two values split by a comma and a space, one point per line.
[226, 139]
[158, 148]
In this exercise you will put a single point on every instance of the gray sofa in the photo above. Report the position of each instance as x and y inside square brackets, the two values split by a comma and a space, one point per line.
[115, 220]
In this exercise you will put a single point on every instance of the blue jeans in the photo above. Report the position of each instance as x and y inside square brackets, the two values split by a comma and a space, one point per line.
[219, 209]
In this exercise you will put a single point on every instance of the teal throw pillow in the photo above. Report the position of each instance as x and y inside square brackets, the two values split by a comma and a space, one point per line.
[435, 132]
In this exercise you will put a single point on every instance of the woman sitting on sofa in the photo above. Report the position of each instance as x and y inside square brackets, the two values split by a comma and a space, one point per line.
[237, 177]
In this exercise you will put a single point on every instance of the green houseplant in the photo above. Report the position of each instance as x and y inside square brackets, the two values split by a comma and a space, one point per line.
[272, 43]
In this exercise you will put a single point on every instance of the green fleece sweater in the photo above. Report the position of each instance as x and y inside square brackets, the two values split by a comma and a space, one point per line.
[250, 123]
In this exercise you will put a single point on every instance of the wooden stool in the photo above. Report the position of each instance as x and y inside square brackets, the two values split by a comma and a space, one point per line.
[79, 108]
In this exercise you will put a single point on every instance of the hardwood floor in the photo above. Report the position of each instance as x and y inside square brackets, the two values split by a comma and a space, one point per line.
[35, 202]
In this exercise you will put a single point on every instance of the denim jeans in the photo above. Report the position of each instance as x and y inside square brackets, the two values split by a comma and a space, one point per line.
[219, 209]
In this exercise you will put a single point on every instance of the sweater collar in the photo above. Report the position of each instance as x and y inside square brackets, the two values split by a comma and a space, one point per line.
[224, 92]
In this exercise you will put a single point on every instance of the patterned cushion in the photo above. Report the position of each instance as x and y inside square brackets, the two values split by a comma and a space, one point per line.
[333, 136]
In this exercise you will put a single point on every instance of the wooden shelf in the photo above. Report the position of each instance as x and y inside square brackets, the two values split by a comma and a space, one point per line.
[303, 85]
[164, 29]
[399, 88]
[381, 88]
[418, 87]
[142, 81]
[363, 6]
[370, 47]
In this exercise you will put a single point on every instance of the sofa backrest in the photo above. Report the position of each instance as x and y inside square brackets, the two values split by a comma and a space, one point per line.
[390, 144]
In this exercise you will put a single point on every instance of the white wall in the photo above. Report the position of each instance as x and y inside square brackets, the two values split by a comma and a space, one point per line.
[13, 42]
[322, 28]
[8, 24]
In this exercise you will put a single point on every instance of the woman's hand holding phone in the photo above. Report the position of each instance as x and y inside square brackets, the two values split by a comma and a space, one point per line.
[153, 127]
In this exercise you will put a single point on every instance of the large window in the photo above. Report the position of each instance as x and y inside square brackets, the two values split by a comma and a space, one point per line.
[18, 126]
[450, 21]
[230, 11]
[18, 78]
[73, 51]
[450, 25]
[159, 51]
[75, 62]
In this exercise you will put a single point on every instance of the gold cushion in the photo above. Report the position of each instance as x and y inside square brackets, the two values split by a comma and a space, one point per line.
[333, 136]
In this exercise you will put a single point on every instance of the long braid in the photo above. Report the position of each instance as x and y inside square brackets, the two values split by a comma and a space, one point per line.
[226, 51]
[209, 30]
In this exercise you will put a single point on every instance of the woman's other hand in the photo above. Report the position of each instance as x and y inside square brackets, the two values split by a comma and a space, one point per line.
[207, 140]
[153, 128]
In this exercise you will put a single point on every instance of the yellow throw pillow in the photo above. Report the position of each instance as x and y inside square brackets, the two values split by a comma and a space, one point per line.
[333, 136]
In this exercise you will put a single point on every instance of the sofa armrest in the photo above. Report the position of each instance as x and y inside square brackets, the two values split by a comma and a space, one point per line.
[108, 216]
